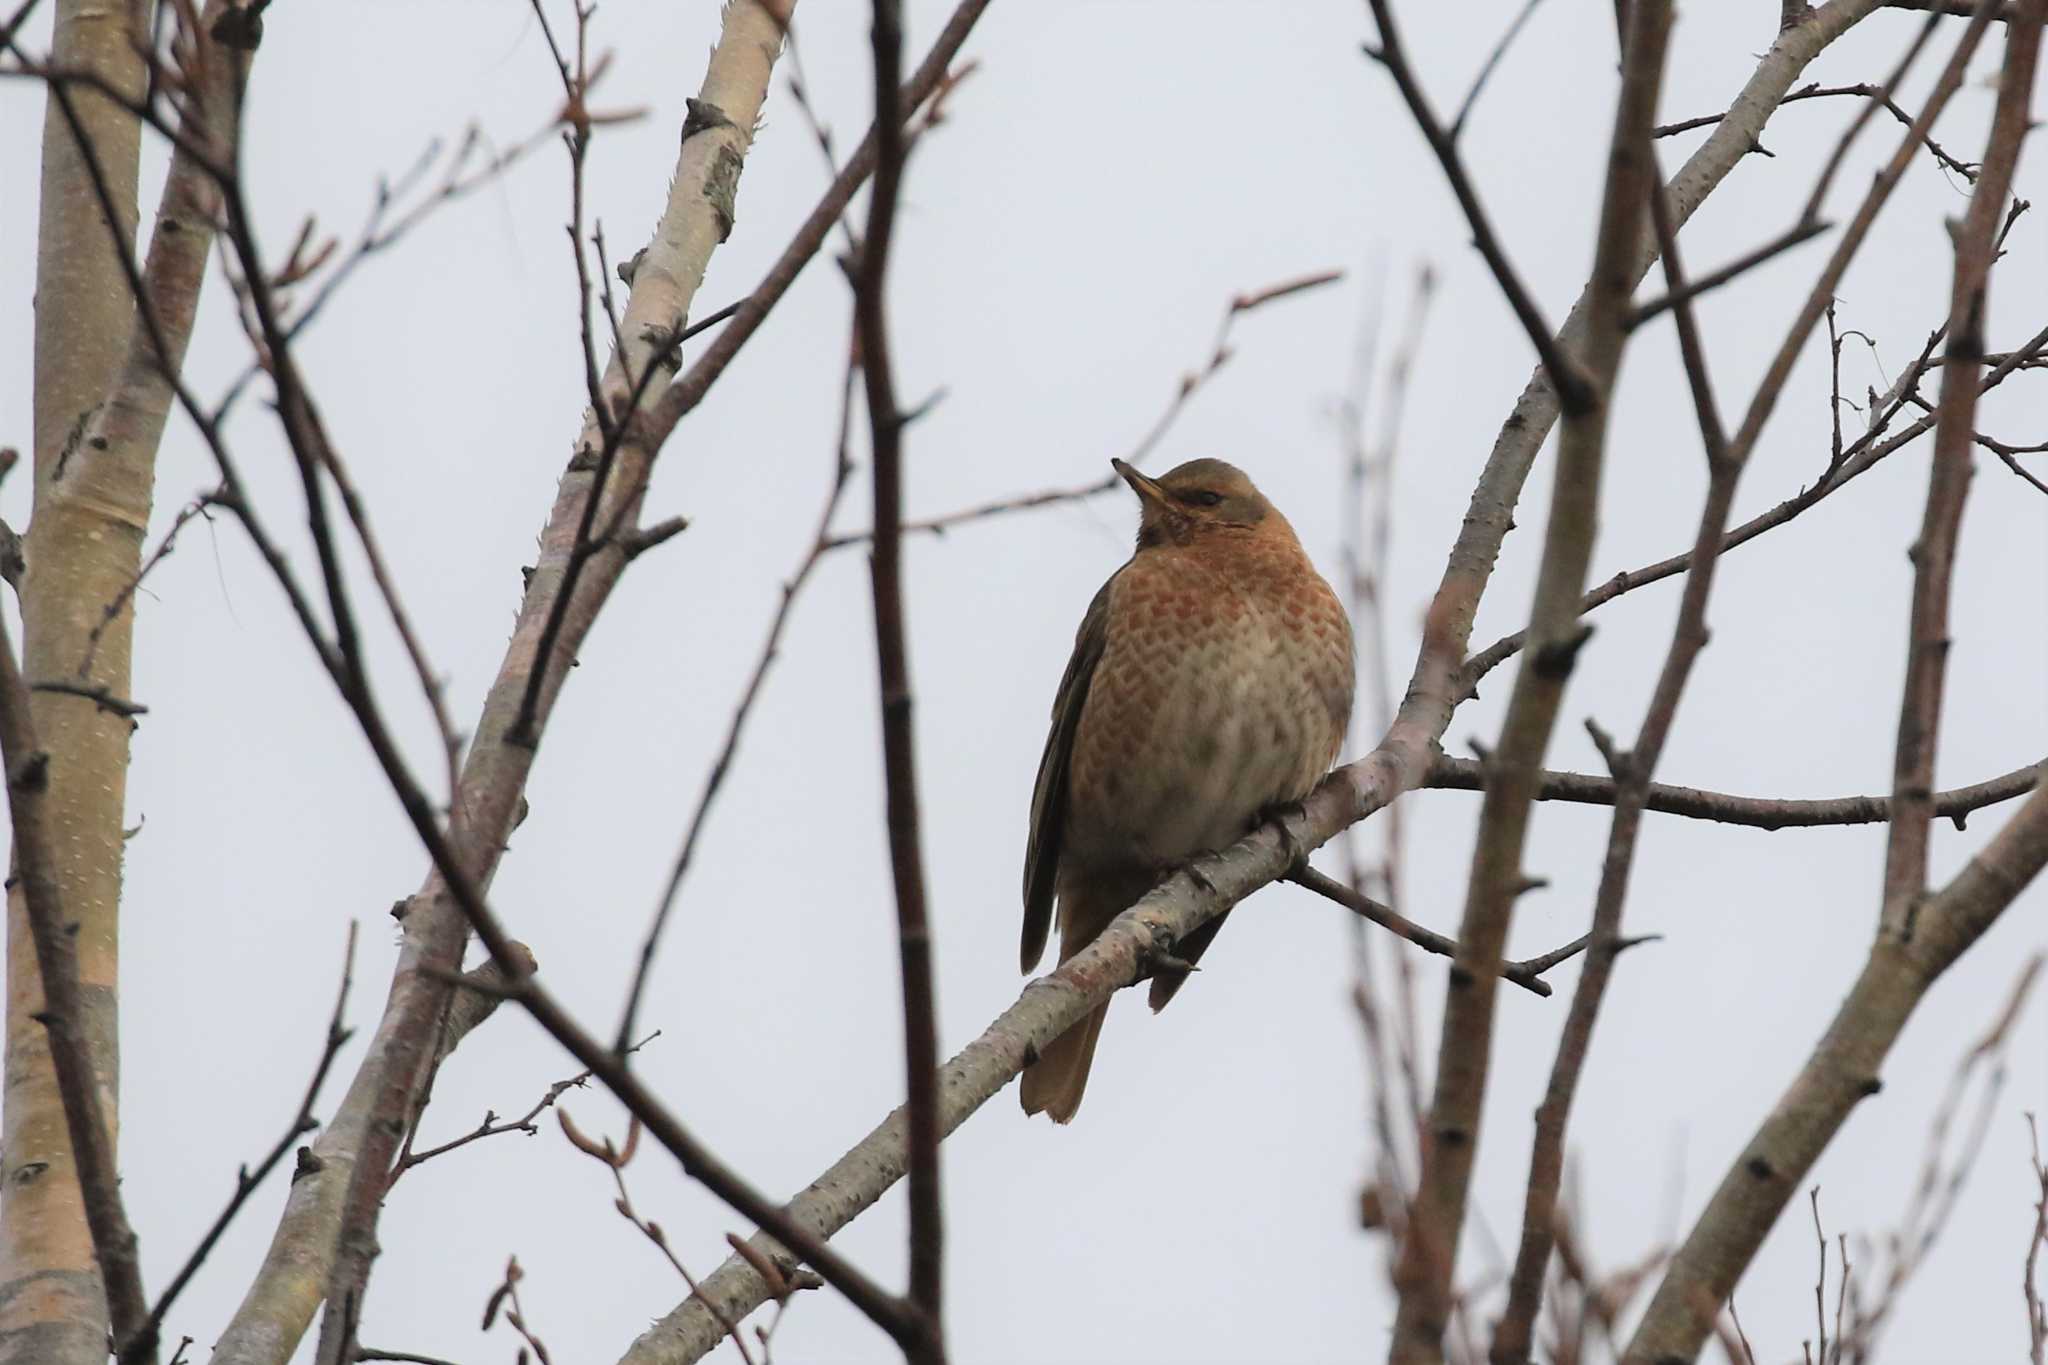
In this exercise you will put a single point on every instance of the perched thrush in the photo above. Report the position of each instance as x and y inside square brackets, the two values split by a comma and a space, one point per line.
[1210, 684]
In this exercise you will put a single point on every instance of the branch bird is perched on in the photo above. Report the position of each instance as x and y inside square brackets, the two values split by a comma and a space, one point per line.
[1210, 684]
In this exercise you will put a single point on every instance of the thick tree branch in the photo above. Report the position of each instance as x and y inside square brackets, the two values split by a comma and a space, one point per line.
[63, 1013]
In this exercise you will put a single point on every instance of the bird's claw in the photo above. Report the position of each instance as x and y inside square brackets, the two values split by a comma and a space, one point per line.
[1290, 819]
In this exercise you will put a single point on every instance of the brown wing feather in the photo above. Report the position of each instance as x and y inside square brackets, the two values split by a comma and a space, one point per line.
[1049, 796]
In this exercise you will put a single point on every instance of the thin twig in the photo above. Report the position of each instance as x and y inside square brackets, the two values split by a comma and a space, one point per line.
[492, 1126]
[1861, 456]
[1486, 69]
[1527, 975]
[906, 857]
[714, 780]
[1815, 91]
[1741, 265]
[1452, 773]
[246, 1181]
[1191, 383]
[1574, 391]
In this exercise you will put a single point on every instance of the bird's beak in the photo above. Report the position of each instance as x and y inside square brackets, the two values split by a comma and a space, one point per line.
[1148, 490]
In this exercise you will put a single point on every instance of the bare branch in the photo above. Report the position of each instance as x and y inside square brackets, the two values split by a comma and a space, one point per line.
[1527, 975]
[1428, 1256]
[143, 1345]
[62, 1013]
[906, 855]
[1933, 553]
[1567, 378]
[1190, 384]
[1912, 949]
[1463, 774]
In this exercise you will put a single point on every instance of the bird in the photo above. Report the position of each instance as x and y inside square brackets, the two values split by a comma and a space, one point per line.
[1210, 686]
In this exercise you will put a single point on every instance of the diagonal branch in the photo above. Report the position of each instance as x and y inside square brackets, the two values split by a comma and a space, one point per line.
[1528, 975]
[1567, 377]
[1919, 936]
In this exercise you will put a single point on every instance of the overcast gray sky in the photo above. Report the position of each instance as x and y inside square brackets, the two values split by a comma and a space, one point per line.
[1109, 178]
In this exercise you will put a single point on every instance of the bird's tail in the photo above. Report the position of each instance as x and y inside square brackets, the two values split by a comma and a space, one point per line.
[1053, 1084]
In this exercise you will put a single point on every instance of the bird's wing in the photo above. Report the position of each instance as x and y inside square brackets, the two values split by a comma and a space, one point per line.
[1049, 796]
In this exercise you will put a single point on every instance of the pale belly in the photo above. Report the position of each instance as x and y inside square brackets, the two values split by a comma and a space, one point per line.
[1192, 744]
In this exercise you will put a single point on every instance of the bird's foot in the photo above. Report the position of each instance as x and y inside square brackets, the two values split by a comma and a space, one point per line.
[1161, 960]
[1292, 819]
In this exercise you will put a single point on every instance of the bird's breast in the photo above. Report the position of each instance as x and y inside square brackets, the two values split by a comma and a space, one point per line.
[1217, 697]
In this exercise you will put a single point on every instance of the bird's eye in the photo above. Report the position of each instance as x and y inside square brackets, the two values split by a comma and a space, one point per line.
[1203, 497]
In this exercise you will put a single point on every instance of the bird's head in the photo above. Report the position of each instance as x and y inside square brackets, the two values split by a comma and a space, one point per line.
[1197, 499]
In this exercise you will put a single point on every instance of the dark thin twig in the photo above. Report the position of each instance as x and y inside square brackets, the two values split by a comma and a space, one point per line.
[906, 859]
[1861, 456]
[2037, 1315]
[1191, 383]
[1816, 91]
[246, 1181]
[492, 1126]
[1714, 279]
[1486, 70]
[615, 1160]
[842, 466]
[682, 397]
[2005, 454]
[1574, 392]
[1450, 773]
[112, 611]
[1527, 975]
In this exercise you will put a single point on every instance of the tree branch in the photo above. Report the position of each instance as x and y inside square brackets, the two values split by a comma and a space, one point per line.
[1933, 553]
[1528, 975]
[63, 1011]
[1912, 949]
[899, 762]
[1428, 1255]
[1450, 773]
[1568, 379]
